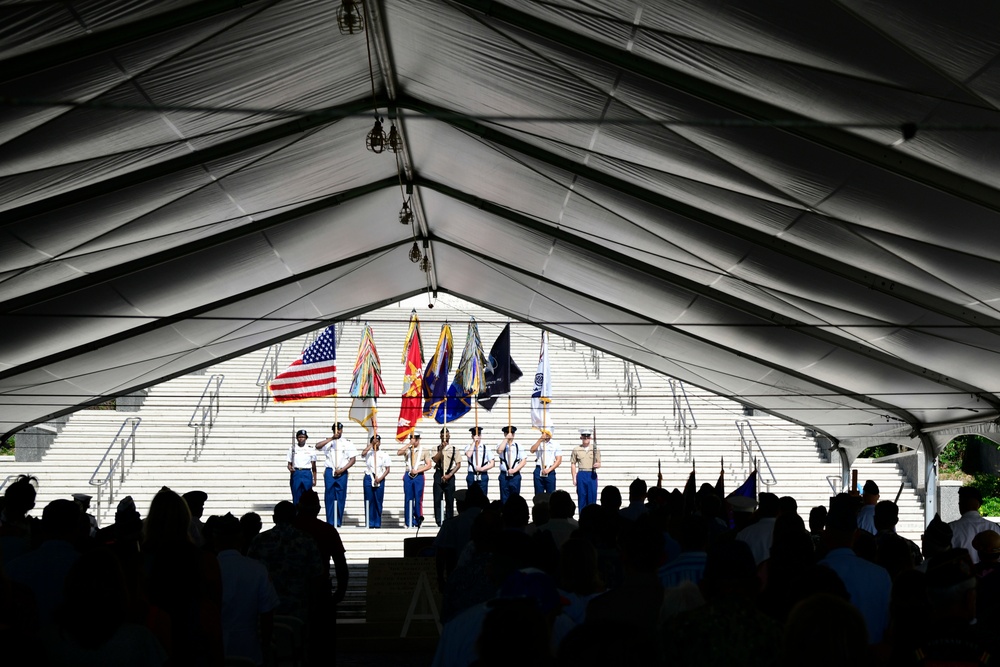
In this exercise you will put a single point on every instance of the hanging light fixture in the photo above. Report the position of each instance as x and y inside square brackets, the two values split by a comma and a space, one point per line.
[376, 139]
[425, 262]
[406, 213]
[350, 19]
[415, 253]
[395, 142]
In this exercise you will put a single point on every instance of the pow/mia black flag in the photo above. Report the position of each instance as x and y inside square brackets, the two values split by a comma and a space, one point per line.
[501, 371]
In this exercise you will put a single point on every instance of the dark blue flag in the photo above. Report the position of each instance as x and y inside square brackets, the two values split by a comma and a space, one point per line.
[501, 371]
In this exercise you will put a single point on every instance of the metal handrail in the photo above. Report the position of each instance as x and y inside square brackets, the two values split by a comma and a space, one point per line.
[746, 448]
[6, 480]
[202, 423]
[114, 466]
[268, 369]
[682, 406]
[835, 488]
[595, 362]
[632, 385]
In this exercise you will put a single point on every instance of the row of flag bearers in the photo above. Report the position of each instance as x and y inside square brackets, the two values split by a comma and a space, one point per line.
[478, 381]
[477, 458]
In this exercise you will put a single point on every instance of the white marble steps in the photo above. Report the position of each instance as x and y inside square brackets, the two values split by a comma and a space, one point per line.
[241, 466]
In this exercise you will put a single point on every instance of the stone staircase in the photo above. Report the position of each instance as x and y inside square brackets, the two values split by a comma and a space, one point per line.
[242, 463]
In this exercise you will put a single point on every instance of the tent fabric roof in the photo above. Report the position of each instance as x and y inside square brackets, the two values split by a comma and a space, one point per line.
[718, 191]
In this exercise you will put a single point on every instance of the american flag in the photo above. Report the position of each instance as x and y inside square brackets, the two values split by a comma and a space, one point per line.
[313, 375]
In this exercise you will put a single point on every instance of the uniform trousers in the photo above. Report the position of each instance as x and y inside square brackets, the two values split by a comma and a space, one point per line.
[545, 484]
[446, 491]
[586, 488]
[335, 498]
[509, 485]
[301, 481]
[484, 482]
[374, 497]
[413, 497]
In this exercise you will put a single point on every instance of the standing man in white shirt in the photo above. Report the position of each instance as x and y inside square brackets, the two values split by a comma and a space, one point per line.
[548, 456]
[511, 461]
[340, 455]
[971, 523]
[417, 461]
[481, 460]
[376, 470]
[301, 460]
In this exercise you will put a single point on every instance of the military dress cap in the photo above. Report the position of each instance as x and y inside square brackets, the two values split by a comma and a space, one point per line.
[586, 432]
[476, 430]
[870, 488]
[301, 431]
[416, 434]
[509, 429]
[82, 498]
[196, 496]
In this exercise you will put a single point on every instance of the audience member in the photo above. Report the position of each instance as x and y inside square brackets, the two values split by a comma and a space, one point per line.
[248, 597]
[293, 561]
[970, 524]
[868, 584]
[758, 535]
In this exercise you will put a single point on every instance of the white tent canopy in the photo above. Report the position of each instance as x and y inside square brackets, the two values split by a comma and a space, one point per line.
[794, 205]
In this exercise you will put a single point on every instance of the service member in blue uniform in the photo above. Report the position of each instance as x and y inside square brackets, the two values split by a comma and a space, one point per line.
[301, 465]
[511, 461]
[340, 455]
[481, 460]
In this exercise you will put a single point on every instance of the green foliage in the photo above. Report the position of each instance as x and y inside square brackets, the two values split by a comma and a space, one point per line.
[988, 485]
[7, 447]
[990, 507]
[878, 451]
[951, 457]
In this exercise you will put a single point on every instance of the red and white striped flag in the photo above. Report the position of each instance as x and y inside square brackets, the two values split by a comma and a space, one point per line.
[313, 375]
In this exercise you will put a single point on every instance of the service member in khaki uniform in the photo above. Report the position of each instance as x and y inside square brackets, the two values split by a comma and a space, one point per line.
[583, 464]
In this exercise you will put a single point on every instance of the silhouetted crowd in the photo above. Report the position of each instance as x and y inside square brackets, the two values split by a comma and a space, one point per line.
[167, 588]
[676, 578]
[695, 580]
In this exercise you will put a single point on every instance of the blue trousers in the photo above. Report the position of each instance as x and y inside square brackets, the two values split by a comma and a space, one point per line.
[586, 489]
[413, 497]
[484, 482]
[335, 498]
[509, 485]
[544, 484]
[374, 497]
[301, 481]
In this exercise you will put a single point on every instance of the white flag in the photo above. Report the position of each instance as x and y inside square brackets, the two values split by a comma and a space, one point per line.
[541, 396]
[363, 411]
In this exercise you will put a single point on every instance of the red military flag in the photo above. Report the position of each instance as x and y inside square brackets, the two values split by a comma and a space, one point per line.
[411, 408]
[313, 375]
